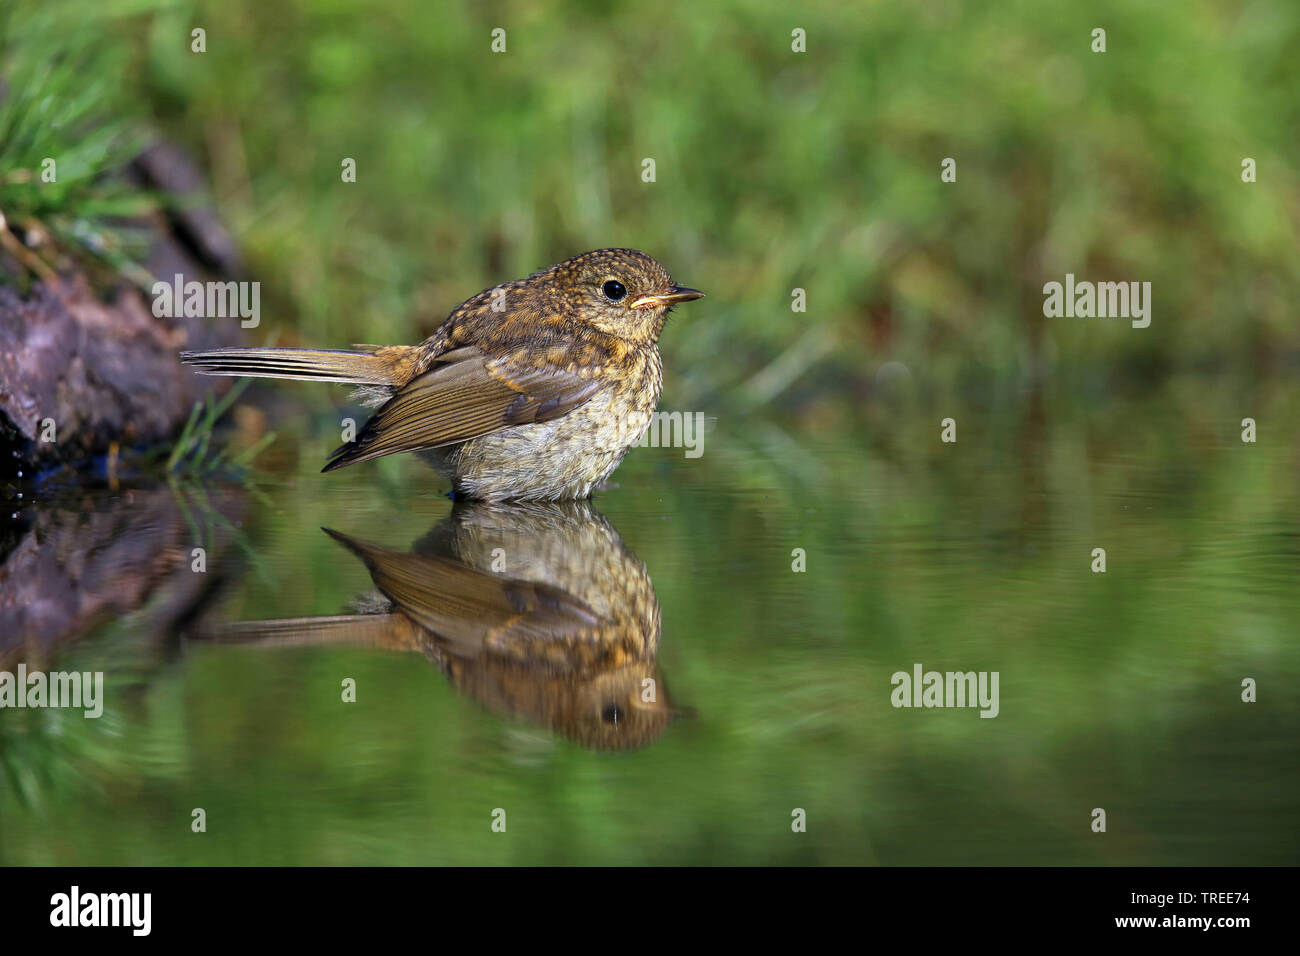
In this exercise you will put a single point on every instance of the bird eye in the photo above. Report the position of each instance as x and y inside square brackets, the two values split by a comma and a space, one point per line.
[611, 714]
[614, 290]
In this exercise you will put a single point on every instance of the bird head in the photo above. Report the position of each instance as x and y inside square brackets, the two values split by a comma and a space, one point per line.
[620, 292]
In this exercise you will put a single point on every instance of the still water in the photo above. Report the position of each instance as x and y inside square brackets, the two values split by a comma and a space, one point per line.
[696, 667]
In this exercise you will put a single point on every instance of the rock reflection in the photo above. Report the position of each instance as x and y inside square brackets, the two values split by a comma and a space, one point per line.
[70, 566]
[538, 611]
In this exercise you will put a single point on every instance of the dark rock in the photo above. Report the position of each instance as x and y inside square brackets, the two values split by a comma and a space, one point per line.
[101, 372]
[107, 372]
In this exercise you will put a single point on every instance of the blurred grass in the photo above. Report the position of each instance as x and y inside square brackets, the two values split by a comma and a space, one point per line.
[775, 170]
[64, 101]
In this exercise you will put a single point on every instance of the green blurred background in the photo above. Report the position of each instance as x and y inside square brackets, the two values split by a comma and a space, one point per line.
[775, 171]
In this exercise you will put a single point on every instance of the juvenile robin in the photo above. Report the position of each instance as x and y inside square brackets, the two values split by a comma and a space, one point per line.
[564, 634]
[534, 389]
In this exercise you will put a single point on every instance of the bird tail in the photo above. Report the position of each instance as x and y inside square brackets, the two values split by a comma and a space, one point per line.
[383, 631]
[375, 367]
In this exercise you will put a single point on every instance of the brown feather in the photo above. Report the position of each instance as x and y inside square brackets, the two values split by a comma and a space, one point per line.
[467, 608]
[389, 631]
[317, 365]
[464, 395]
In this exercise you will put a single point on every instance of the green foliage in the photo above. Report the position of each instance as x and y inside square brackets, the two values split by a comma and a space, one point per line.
[193, 454]
[64, 101]
[776, 170]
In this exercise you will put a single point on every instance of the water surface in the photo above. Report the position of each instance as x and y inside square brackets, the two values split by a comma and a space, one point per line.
[520, 687]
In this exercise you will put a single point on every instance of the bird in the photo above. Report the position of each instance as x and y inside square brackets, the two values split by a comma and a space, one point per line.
[537, 610]
[531, 390]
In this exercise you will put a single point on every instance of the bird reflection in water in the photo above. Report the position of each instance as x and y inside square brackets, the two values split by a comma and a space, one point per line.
[537, 610]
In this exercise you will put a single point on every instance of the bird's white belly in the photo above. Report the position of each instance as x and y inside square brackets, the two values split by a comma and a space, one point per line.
[563, 458]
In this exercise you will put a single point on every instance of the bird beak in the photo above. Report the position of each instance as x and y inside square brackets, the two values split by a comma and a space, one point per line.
[677, 294]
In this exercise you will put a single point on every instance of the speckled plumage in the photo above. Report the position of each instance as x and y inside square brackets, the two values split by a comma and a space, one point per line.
[536, 610]
[563, 458]
[533, 389]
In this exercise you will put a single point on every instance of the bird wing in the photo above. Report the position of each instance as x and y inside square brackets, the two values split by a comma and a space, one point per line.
[464, 395]
[472, 610]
